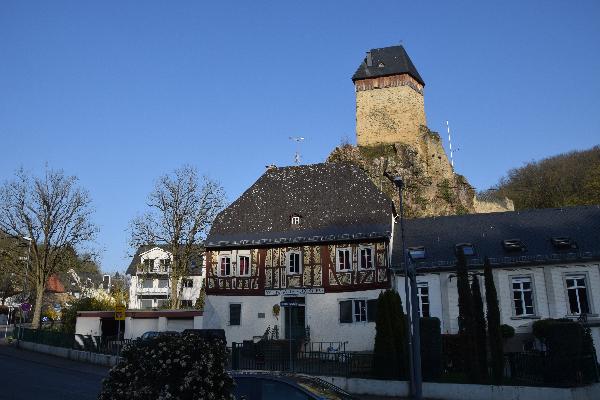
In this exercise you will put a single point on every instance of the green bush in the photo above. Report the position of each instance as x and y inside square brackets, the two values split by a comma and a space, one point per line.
[431, 349]
[507, 331]
[69, 313]
[390, 354]
[170, 367]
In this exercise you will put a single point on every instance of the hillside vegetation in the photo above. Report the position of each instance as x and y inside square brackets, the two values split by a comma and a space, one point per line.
[567, 179]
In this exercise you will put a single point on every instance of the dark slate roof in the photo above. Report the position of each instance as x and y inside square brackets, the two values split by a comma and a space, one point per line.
[535, 228]
[196, 261]
[395, 61]
[335, 201]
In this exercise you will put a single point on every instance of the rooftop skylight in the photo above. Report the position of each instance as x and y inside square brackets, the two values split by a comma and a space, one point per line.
[563, 243]
[513, 245]
[417, 253]
[466, 249]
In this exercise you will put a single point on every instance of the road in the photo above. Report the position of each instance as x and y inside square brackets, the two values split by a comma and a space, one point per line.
[27, 375]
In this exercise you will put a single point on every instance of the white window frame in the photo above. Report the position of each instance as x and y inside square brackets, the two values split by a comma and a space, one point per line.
[295, 220]
[288, 259]
[219, 272]
[239, 257]
[521, 279]
[577, 275]
[420, 295]
[348, 251]
[354, 313]
[360, 258]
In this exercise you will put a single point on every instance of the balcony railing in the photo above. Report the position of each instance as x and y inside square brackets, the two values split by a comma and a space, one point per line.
[152, 290]
[154, 270]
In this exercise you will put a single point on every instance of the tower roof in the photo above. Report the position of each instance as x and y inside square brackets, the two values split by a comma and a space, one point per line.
[385, 62]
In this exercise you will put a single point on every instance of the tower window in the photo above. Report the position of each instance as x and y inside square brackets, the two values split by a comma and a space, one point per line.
[296, 220]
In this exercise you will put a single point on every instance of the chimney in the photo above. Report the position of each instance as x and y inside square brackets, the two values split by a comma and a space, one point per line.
[369, 59]
[271, 167]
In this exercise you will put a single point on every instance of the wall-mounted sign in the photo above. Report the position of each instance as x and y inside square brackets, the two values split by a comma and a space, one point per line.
[288, 292]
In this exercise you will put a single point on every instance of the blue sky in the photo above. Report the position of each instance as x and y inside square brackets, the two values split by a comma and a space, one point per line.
[120, 92]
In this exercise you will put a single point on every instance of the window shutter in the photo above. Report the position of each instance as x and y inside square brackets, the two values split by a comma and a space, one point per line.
[346, 311]
[371, 310]
[235, 311]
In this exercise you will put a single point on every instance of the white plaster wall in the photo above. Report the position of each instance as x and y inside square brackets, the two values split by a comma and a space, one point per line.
[135, 327]
[322, 315]
[193, 292]
[133, 300]
[556, 279]
[178, 325]
[435, 294]
[88, 326]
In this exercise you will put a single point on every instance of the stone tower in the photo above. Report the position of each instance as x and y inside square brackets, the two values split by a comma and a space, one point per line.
[389, 99]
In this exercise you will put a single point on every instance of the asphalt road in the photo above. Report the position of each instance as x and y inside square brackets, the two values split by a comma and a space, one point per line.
[26, 375]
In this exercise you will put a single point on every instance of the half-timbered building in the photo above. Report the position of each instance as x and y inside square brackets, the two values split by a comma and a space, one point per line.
[315, 236]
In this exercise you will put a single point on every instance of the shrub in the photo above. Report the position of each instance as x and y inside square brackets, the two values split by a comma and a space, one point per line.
[453, 357]
[494, 329]
[507, 331]
[390, 354]
[69, 314]
[431, 349]
[170, 367]
[479, 331]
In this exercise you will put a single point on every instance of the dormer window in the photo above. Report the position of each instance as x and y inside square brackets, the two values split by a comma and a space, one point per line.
[417, 253]
[381, 65]
[563, 243]
[512, 245]
[467, 249]
[295, 220]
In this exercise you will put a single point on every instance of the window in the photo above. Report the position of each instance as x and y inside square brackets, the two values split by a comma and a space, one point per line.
[577, 294]
[365, 257]
[165, 263]
[467, 249]
[186, 303]
[417, 253]
[146, 303]
[295, 220]
[423, 295]
[163, 283]
[358, 310]
[148, 283]
[149, 264]
[563, 243]
[344, 259]
[293, 262]
[511, 245]
[235, 314]
[225, 266]
[522, 296]
[189, 283]
[244, 265]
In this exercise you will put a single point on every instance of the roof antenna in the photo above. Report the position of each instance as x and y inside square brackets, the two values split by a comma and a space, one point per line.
[450, 144]
[297, 156]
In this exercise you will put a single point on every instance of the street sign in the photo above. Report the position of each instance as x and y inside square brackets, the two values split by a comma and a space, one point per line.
[289, 304]
[119, 312]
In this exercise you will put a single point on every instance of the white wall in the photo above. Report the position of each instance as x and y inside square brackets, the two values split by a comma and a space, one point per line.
[178, 325]
[435, 294]
[88, 326]
[322, 315]
[135, 327]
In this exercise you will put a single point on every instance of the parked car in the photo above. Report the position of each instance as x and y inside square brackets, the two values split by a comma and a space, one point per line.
[154, 334]
[277, 386]
[206, 333]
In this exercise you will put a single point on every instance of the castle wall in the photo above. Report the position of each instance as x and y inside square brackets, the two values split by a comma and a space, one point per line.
[389, 109]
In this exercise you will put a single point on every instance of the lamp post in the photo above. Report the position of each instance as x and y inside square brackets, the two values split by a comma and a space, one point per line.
[412, 307]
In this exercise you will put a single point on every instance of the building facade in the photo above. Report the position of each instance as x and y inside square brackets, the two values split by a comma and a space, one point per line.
[150, 284]
[545, 263]
[312, 237]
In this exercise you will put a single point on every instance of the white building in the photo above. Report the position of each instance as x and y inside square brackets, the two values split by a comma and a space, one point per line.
[150, 272]
[545, 263]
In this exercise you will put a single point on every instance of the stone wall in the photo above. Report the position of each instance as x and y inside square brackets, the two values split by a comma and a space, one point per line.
[389, 110]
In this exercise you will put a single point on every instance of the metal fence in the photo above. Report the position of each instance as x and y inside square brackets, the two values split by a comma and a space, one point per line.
[95, 344]
[329, 359]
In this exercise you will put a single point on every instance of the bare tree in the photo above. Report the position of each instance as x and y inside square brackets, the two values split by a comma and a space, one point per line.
[51, 211]
[182, 208]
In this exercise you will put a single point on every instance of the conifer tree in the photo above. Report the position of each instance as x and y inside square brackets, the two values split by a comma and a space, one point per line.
[493, 324]
[390, 338]
[480, 331]
[465, 319]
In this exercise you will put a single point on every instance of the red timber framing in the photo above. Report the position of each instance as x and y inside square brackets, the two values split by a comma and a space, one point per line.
[269, 269]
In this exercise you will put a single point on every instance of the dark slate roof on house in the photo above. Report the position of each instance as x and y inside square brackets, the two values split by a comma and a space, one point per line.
[334, 201]
[385, 62]
[195, 267]
[535, 229]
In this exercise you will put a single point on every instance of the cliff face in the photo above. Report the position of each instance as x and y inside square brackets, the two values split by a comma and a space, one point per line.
[431, 186]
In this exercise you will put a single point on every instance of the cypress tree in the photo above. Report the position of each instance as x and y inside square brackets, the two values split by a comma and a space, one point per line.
[493, 324]
[390, 353]
[480, 331]
[465, 319]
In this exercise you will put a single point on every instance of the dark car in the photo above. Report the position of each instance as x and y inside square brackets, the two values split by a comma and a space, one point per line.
[277, 386]
[206, 334]
[154, 334]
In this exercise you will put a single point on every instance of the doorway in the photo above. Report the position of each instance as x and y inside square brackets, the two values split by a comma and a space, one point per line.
[295, 318]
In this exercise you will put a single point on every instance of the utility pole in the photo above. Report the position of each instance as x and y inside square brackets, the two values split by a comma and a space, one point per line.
[297, 155]
[412, 307]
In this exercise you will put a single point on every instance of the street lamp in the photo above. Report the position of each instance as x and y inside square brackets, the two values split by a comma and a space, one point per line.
[412, 306]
